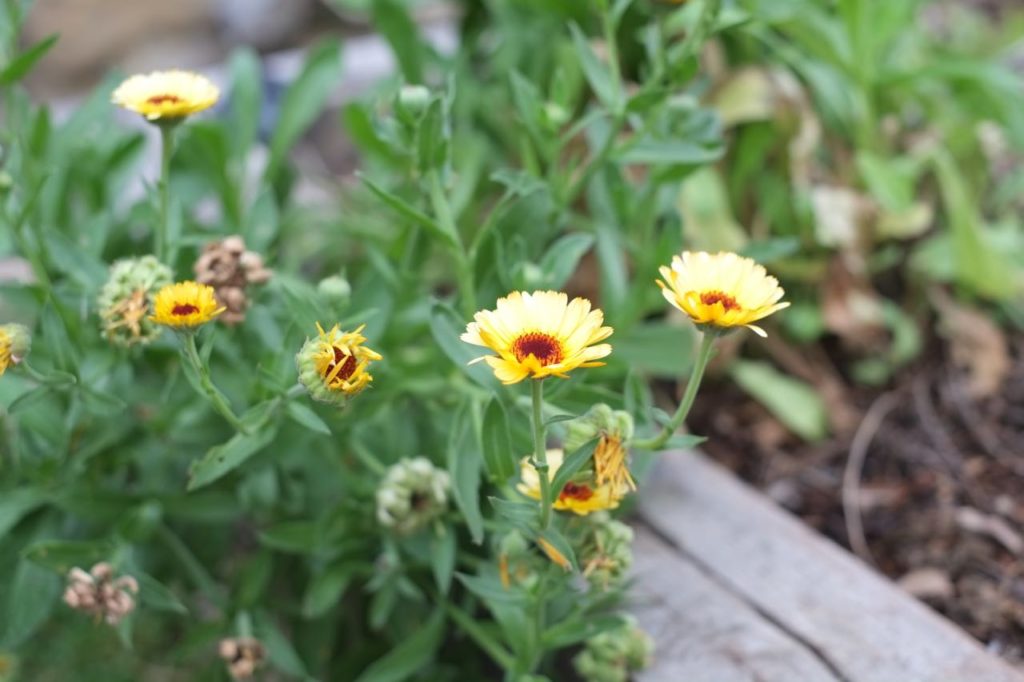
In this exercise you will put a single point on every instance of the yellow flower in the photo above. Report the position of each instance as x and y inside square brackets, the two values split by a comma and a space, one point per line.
[5, 351]
[14, 345]
[579, 498]
[539, 335]
[185, 305]
[722, 290]
[333, 365]
[610, 463]
[166, 94]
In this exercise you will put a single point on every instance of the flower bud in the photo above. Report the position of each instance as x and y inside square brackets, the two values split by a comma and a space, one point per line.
[613, 655]
[412, 102]
[412, 494]
[607, 554]
[126, 300]
[15, 342]
[335, 290]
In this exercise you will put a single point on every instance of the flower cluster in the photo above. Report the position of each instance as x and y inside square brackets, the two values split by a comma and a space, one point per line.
[607, 553]
[100, 594]
[412, 494]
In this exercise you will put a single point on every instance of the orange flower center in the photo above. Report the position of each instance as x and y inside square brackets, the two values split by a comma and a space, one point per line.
[544, 347]
[572, 491]
[713, 297]
[184, 309]
[163, 99]
[347, 363]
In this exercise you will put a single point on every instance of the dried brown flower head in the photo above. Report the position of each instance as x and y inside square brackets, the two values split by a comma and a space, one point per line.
[243, 656]
[100, 594]
[230, 269]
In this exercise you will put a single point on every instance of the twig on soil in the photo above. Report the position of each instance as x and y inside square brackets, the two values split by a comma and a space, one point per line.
[862, 438]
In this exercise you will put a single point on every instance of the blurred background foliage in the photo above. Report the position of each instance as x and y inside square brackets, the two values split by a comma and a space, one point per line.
[867, 153]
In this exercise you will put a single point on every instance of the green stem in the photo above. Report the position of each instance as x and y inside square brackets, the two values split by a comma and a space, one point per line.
[463, 264]
[540, 452]
[166, 149]
[707, 347]
[216, 398]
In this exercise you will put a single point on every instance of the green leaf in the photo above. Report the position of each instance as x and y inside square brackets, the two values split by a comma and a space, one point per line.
[561, 259]
[60, 556]
[446, 328]
[392, 21]
[326, 590]
[657, 348]
[793, 402]
[432, 139]
[464, 467]
[410, 657]
[571, 464]
[246, 100]
[17, 504]
[519, 514]
[649, 151]
[156, 595]
[298, 537]
[496, 438]
[595, 71]
[305, 416]
[33, 594]
[279, 650]
[442, 555]
[23, 63]
[304, 100]
[223, 459]
[406, 210]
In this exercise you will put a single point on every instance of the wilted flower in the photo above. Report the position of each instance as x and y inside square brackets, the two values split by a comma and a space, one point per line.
[613, 429]
[333, 365]
[581, 495]
[166, 94]
[126, 300]
[244, 655]
[554, 554]
[539, 335]
[721, 290]
[516, 560]
[185, 305]
[412, 494]
[15, 341]
[100, 594]
[607, 554]
[230, 269]
[613, 655]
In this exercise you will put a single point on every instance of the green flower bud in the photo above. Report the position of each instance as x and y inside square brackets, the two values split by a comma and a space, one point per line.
[412, 494]
[599, 420]
[614, 654]
[6, 182]
[335, 290]
[412, 102]
[607, 553]
[555, 115]
[14, 345]
[126, 300]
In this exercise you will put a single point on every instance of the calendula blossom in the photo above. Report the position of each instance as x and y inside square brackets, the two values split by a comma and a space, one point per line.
[539, 334]
[14, 345]
[721, 290]
[333, 366]
[579, 497]
[185, 305]
[166, 94]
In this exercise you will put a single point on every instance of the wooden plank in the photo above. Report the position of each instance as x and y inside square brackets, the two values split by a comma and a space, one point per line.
[702, 632]
[857, 622]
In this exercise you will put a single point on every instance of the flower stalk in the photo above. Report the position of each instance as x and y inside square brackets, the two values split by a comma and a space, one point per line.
[214, 395]
[704, 353]
[160, 247]
[540, 452]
